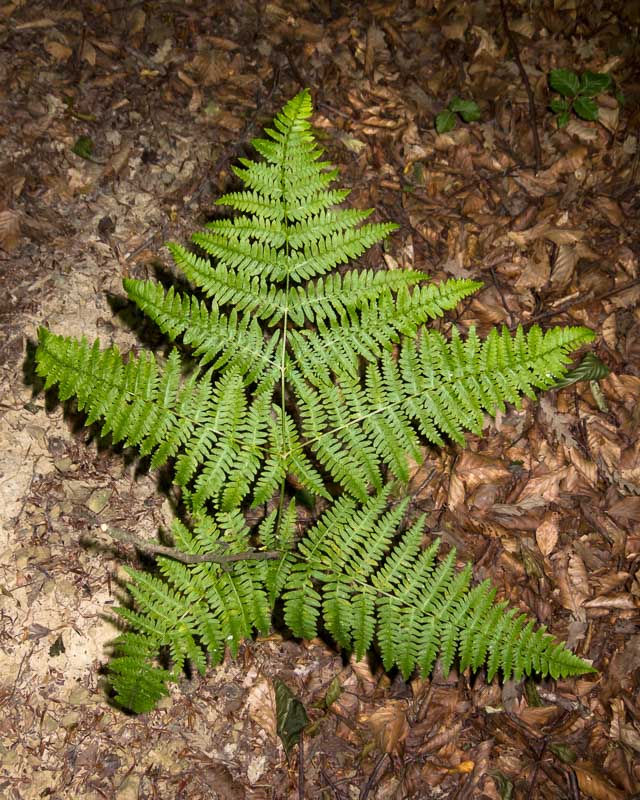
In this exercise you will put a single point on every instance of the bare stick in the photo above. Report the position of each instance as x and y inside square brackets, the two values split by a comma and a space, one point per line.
[525, 79]
[189, 558]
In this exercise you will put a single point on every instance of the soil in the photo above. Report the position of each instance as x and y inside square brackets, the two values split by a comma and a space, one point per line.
[120, 123]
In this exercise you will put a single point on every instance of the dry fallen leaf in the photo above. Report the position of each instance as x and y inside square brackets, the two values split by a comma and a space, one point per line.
[9, 229]
[547, 533]
[261, 705]
[564, 266]
[390, 727]
[609, 208]
[59, 51]
[595, 785]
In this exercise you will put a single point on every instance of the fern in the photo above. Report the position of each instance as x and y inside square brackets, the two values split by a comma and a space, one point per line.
[310, 384]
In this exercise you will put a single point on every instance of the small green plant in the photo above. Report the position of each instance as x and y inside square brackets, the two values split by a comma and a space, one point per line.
[577, 93]
[304, 385]
[447, 120]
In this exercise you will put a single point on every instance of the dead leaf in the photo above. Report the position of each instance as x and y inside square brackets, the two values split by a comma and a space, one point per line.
[623, 600]
[547, 533]
[579, 578]
[609, 208]
[546, 485]
[261, 705]
[42, 22]
[609, 117]
[536, 271]
[455, 28]
[362, 669]
[390, 727]
[584, 466]
[118, 160]
[559, 423]
[457, 492]
[571, 596]
[564, 266]
[88, 53]
[626, 512]
[582, 130]
[568, 163]
[595, 785]
[620, 730]
[9, 229]
[563, 236]
[59, 51]
[538, 716]
[137, 19]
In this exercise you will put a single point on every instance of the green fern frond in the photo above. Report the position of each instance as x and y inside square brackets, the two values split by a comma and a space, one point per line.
[216, 438]
[137, 683]
[231, 341]
[375, 327]
[305, 386]
[354, 577]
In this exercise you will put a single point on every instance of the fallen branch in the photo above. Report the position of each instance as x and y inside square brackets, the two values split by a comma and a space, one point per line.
[537, 150]
[188, 558]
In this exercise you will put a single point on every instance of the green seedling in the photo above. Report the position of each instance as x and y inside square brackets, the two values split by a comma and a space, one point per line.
[577, 94]
[447, 119]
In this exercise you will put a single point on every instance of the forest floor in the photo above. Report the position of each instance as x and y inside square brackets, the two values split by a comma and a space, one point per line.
[120, 123]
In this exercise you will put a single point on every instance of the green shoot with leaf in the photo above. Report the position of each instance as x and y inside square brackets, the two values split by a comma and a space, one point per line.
[577, 94]
[467, 109]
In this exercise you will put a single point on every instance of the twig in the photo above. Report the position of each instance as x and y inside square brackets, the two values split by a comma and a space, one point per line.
[375, 774]
[189, 558]
[525, 79]
[301, 767]
[577, 301]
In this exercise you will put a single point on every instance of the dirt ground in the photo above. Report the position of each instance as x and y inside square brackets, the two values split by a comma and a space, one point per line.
[119, 123]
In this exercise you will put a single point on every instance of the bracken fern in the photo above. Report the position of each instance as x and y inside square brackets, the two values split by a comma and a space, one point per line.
[310, 384]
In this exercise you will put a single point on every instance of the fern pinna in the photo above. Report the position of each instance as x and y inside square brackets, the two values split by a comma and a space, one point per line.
[310, 383]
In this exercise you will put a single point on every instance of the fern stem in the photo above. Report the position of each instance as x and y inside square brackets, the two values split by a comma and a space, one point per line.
[285, 323]
[189, 558]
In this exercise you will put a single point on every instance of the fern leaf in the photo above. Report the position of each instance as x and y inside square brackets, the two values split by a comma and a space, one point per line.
[234, 341]
[354, 577]
[332, 298]
[308, 383]
[137, 684]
